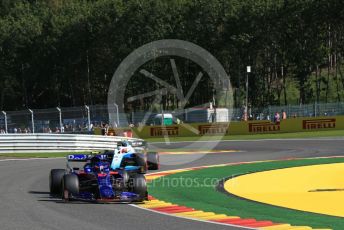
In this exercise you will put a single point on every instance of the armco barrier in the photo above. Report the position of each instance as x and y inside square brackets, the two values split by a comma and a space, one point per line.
[240, 128]
[21, 143]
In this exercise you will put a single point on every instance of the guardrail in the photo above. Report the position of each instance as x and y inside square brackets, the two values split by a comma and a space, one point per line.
[30, 143]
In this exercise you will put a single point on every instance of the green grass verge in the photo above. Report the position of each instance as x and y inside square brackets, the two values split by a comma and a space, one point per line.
[332, 133]
[177, 188]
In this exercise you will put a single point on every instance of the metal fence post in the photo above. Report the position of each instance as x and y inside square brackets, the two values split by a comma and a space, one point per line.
[132, 117]
[315, 109]
[32, 121]
[117, 112]
[88, 118]
[5, 117]
[60, 118]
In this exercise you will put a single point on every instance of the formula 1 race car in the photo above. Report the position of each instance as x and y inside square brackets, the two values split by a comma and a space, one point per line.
[99, 180]
[139, 147]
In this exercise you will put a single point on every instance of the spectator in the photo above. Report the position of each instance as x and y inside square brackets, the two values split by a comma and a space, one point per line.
[106, 129]
[277, 117]
[284, 115]
[103, 130]
[245, 117]
[15, 130]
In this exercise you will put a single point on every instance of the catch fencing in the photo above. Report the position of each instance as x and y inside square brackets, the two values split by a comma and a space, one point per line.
[82, 120]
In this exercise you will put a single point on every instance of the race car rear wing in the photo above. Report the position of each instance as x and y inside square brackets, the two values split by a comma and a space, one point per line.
[138, 143]
[85, 157]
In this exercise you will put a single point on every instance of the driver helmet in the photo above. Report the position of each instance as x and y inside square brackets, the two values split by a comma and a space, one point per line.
[88, 168]
[122, 144]
[94, 161]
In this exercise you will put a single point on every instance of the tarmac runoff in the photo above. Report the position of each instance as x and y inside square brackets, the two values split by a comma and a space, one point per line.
[171, 209]
[317, 188]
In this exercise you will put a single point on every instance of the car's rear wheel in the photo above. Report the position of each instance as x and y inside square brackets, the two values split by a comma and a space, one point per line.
[139, 186]
[141, 161]
[70, 185]
[153, 161]
[55, 179]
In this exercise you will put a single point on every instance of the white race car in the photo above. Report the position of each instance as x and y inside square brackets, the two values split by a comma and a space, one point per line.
[151, 158]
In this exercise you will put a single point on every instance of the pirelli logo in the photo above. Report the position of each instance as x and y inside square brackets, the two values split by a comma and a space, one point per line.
[319, 124]
[213, 129]
[164, 131]
[263, 127]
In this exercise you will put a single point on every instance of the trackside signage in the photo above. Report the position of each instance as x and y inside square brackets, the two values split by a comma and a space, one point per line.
[163, 131]
[319, 124]
[240, 128]
[213, 129]
[263, 127]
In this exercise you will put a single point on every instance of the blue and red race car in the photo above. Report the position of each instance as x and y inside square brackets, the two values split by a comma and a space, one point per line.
[107, 177]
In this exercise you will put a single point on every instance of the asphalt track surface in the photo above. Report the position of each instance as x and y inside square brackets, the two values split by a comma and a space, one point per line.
[25, 202]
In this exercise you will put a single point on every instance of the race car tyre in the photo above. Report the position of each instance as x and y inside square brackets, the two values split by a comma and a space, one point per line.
[125, 176]
[70, 185]
[141, 161]
[139, 186]
[55, 178]
[153, 161]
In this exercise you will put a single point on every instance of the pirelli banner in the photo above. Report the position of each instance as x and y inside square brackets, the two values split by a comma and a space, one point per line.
[296, 125]
[241, 128]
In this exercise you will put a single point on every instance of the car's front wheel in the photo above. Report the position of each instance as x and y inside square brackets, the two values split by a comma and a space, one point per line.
[55, 179]
[139, 186]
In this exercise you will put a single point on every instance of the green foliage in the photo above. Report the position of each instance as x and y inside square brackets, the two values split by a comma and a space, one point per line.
[64, 52]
